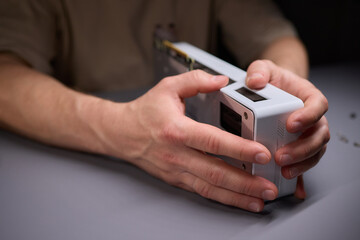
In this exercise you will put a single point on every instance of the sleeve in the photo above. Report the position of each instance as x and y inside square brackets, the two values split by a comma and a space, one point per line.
[249, 26]
[27, 29]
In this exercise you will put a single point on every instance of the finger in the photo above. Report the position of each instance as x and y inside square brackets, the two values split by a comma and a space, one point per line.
[164, 169]
[258, 74]
[220, 174]
[310, 143]
[197, 81]
[281, 78]
[315, 106]
[267, 72]
[300, 192]
[213, 140]
[261, 72]
[315, 103]
[222, 195]
[212, 170]
[297, 169]
[189, 182]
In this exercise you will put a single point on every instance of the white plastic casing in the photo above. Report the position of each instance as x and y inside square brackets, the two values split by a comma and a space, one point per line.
[263, 121]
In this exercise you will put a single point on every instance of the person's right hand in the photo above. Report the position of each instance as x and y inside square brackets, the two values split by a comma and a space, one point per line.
[154, 134]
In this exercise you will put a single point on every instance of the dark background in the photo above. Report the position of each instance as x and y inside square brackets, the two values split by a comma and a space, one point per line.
[329, 29]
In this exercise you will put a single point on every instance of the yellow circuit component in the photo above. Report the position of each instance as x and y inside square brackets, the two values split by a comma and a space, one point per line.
[180, 53]
[172, 47]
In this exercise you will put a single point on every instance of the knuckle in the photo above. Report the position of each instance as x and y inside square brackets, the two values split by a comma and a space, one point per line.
[324, 102]
[167, 82]
[313, 117]
[325, 132]
[173, 178]
[247, 149]
[327, 136]
[213, 144]
[197, 74]
[171, 133]
[171, 159]
[203, 189]
[216, 176]
[246, 187]
[180, 179]
[306, 151]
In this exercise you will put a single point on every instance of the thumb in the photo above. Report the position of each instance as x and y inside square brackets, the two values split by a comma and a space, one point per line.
[258, 74]
[191, 83]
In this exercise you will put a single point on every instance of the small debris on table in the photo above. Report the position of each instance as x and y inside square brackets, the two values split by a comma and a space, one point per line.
[353, 115]
[343, 138]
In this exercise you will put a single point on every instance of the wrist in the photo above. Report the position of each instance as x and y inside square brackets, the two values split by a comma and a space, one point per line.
[97, 117]
[113, 127]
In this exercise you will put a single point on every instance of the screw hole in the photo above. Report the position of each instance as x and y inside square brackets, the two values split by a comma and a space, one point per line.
[243, 166]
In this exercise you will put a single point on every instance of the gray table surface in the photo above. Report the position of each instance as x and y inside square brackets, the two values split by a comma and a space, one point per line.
[51, 193]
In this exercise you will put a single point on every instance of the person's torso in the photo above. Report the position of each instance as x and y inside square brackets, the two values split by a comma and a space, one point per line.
[107, 45]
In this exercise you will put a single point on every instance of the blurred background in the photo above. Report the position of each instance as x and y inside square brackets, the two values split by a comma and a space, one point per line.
[330, 29]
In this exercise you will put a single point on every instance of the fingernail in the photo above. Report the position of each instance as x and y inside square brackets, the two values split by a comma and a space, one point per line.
[268, 195]
[254, 76]
[261, 158]
[253, 206]
[294, 172]
[285, 159]
[219, 78]
[296, 126]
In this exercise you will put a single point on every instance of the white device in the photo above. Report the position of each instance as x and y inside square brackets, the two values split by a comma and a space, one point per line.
[256, 115]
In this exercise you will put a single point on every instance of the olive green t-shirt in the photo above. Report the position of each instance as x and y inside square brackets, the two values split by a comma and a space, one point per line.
[95, 45]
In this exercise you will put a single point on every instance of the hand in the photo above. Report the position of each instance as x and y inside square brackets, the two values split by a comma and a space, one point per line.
[167, 144]
[303, 154]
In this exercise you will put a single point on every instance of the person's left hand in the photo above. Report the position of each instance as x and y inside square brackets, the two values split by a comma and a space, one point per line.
[299, 156]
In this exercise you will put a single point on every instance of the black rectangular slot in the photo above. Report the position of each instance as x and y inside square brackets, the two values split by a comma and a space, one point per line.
[230, 120]
[250, 94]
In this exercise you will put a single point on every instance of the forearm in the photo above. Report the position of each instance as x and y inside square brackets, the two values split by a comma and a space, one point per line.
[38, 106]
[289, 53]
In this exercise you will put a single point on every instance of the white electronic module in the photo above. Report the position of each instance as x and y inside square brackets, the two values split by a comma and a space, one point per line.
[256, 115]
